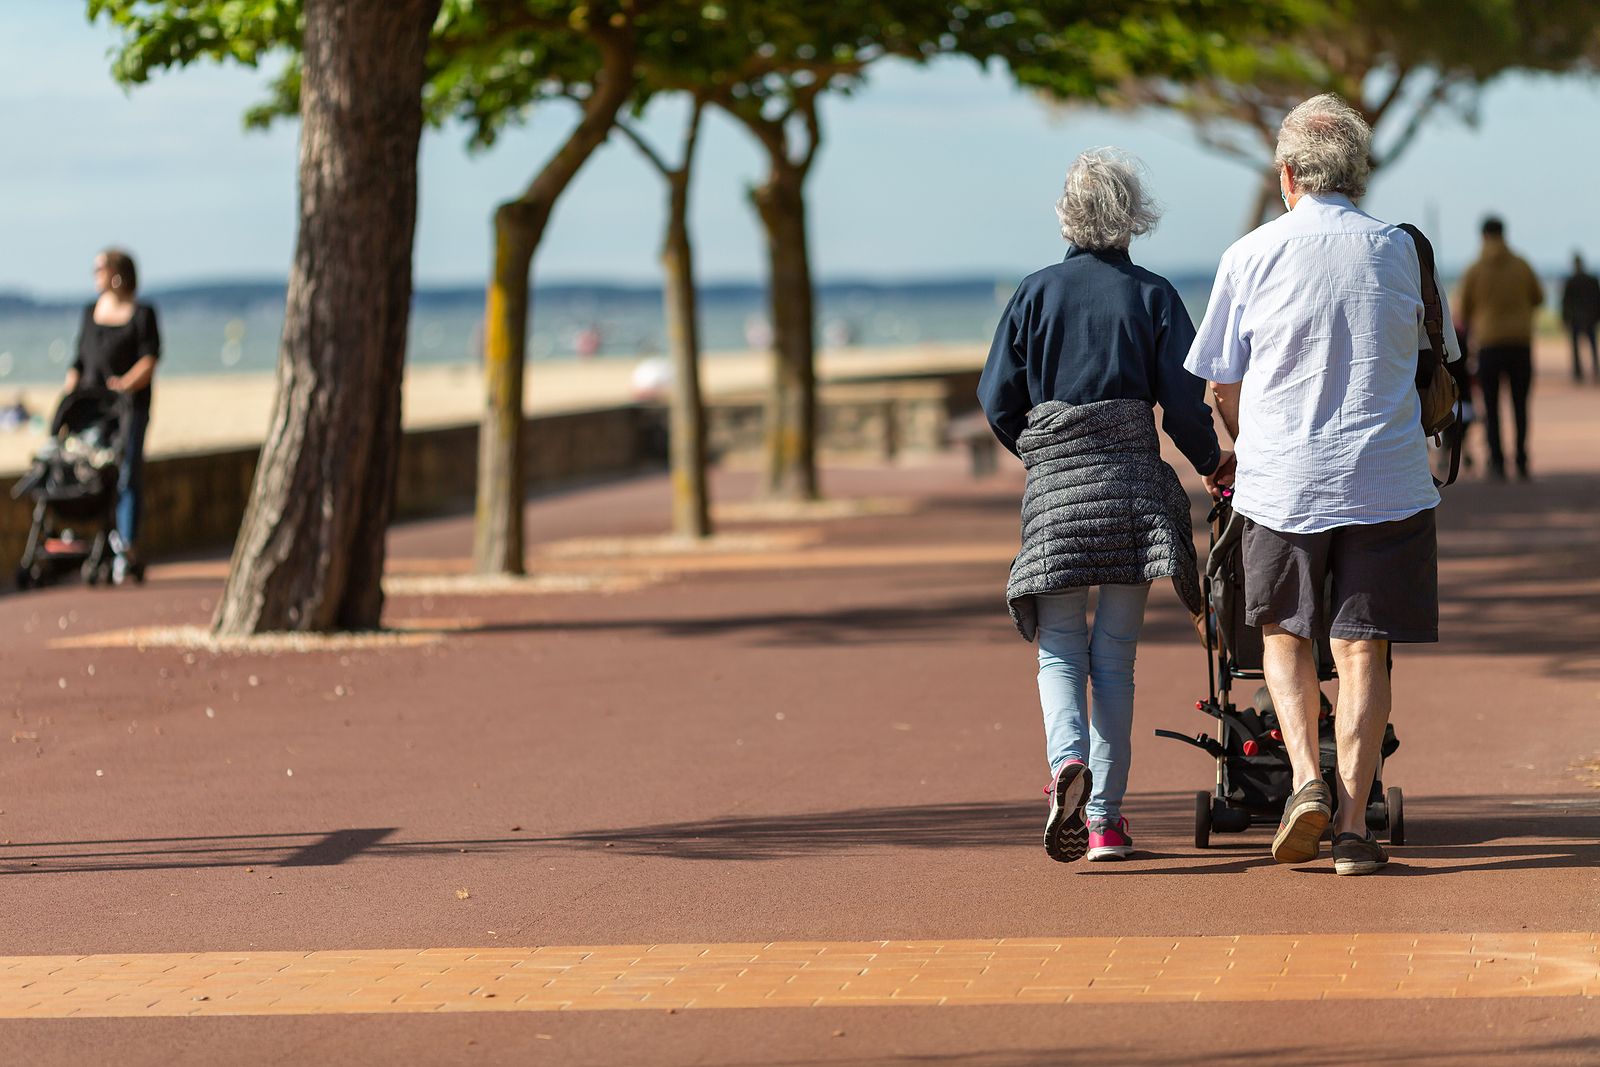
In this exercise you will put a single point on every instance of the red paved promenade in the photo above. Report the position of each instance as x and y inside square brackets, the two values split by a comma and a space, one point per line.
[780, 798]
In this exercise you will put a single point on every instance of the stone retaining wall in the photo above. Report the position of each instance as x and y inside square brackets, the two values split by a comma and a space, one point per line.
[195, 501]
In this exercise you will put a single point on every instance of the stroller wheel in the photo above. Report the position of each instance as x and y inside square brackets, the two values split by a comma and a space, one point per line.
[1202, 820]
[24, 578]
[1397, 818]
[91, 572]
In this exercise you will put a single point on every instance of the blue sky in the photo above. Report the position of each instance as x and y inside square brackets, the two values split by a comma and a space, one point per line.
[938, 171]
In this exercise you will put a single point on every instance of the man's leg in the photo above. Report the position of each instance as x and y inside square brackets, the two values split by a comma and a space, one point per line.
[1519, 369]
[1577, 354]
[1489, 366]
[1291, 671]
[1284, 578]
[1385, 589]
[1594, 352]
[1363, 712]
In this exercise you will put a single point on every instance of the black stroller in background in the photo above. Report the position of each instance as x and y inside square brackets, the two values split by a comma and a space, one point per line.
[1254, 778]
[73, 484]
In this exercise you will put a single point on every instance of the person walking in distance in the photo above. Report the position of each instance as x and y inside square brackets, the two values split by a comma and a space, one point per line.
[1580, 312]
[1310, 341]
[1499, 296]
[1085, 351]
[119, 345]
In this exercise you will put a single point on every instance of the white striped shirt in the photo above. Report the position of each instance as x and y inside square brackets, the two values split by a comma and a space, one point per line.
[1319, 315]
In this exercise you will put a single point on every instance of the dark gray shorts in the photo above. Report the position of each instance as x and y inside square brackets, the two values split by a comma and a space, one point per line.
[1379, 581]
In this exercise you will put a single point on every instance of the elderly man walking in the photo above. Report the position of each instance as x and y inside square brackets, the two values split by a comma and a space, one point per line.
[1499, 296]
[1310, 342]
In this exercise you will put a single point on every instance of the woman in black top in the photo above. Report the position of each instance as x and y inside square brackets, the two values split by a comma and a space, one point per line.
[118, 346]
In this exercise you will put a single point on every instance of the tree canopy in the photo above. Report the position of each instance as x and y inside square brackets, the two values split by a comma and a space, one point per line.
[1399, 62]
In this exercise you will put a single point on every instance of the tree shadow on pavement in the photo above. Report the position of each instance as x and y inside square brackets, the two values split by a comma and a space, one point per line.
[1447, 835]
[1337, 1053]
[964, 619]
[1520, 572]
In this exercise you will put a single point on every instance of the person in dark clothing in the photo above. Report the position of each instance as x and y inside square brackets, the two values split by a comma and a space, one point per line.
[1089, 330]
[1580, 311]
[119, 344]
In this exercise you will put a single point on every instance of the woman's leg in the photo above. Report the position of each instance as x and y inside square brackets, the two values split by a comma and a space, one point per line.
[130, 483]
[1118, 618]
[1064, 675]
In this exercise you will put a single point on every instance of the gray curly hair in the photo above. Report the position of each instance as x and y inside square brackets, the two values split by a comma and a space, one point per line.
[1104, 204]
[1328, 145]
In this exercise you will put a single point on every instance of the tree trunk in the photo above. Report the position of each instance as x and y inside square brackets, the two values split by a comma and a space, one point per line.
[497, 526]
[519, 226]
[691, 505]
[310, 551]
[792, 409]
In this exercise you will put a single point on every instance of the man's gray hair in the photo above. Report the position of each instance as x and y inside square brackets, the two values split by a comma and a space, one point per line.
[1104, 203]
[1328, 145]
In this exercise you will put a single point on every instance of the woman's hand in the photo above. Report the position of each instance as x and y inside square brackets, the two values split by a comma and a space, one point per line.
[114, 383]
[1222, 477]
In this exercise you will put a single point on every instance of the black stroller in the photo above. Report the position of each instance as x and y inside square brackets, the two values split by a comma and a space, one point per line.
[73, 483]
[1254, 777]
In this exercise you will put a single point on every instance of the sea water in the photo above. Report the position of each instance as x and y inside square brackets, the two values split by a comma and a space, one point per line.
[235, 328]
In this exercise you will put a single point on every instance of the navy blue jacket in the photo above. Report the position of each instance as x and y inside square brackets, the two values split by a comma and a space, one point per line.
[1097, 327]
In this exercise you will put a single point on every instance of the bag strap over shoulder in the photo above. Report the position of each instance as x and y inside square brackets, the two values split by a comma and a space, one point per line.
[1432, 306]
[1433, 323]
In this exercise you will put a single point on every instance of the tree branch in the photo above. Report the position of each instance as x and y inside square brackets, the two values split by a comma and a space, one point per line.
[612, 86]
[1425, 107]
[807, 103]
[766, 130]
[644, 147]
[692, 134]
[1375, 113]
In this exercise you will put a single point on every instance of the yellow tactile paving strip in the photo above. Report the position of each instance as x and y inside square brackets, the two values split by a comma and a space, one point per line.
[805, 974]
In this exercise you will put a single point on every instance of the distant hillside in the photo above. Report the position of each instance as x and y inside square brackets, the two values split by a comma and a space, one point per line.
[234, 296]
[241, 294]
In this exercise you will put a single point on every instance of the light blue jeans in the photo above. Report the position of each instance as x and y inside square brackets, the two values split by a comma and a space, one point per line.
[1070, 659]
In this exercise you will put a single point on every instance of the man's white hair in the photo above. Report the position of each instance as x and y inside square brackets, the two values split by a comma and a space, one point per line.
[1104, 203]
[1328, 145]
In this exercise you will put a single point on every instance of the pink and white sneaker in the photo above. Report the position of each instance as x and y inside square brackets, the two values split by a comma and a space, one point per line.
[1109, 840]
[1066, 835]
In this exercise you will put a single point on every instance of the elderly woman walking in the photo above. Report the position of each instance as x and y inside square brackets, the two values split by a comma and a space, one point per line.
[1085, 350]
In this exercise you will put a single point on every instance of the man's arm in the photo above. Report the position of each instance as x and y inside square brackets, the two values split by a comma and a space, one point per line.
[1226, 395]
[1452, 345]
[1184, 415]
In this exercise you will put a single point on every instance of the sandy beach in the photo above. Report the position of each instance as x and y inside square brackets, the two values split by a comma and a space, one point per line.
[197, 413]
